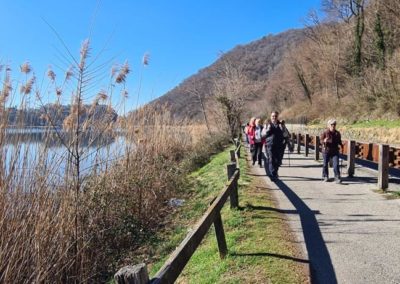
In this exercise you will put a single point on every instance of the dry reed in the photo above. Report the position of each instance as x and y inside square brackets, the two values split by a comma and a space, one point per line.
[77, 224]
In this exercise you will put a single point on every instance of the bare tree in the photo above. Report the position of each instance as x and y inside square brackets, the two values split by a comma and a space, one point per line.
[231, 88]
[198, 90]
[300, 75]
[346, 10]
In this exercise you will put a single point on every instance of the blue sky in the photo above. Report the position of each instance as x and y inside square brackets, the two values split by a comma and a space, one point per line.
[181, 36]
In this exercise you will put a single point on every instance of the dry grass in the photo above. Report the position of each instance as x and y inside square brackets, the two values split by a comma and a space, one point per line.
[78, 224]
[373, 134]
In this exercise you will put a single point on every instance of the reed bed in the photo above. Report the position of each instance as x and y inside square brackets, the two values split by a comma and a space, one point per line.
[78, 224]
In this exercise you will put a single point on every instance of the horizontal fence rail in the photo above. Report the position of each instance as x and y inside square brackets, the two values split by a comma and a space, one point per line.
[172, 268]
[382, 157]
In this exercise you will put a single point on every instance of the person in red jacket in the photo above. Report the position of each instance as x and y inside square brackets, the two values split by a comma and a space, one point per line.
[250, 132]
[331, 140]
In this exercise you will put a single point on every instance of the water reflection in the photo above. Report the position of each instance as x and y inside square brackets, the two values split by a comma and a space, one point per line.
[57, 138]
[25, 152]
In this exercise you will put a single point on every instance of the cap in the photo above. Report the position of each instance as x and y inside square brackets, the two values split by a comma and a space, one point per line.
[331, 121]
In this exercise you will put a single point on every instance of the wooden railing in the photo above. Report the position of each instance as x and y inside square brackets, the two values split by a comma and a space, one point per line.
[171, 269]
[387, 158]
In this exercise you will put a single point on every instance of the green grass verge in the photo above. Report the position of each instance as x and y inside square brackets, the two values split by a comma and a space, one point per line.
[261, 249]
[204, 185]
[388, 194]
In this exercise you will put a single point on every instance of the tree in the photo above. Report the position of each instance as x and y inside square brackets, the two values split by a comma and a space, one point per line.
[300, 75]
[380, 46]
[230, 89]
[198, 90]
[346, 10]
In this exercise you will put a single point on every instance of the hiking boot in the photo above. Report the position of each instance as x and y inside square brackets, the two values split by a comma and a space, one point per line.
[338, 180]
[326, 179]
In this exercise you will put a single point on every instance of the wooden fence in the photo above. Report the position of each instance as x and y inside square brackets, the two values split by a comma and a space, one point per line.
[170, 271]
[383, 155]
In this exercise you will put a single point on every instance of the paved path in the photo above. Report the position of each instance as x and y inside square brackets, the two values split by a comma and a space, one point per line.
[349, 233]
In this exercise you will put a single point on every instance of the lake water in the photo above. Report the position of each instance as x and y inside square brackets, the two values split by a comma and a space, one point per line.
[27, 151]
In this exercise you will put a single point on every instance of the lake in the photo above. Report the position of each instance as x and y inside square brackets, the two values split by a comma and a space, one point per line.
[25, 151]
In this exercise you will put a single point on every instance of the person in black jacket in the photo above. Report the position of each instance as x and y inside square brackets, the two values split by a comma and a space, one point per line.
[331, 140]
[274, 145]
[287, 141]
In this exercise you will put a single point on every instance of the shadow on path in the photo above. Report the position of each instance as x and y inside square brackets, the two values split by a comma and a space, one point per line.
[271, 255]
[266, 208]
[257, 175]
[294, 178]
[321, 268]
[301, 166]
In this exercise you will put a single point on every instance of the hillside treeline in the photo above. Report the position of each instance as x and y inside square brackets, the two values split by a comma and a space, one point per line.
[55, 115]
[347, 66]
[345, 63]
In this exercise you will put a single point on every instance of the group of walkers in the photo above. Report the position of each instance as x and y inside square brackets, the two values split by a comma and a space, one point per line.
[268, 143]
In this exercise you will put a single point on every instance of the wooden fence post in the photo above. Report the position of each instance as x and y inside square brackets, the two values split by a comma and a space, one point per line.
[317, 143]
[306, 143]
[298, 143]
[383, 167]
[231, 168]
[233, 157]
[234, 199]
[220, 234]
[132, 275]
[238, 150]
[351, 155]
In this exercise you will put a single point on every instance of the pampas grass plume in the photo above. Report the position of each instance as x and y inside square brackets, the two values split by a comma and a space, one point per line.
[26, 68]
[146, 58]
[51, 74]
[123, 72]
[68, 74]
[102, 95]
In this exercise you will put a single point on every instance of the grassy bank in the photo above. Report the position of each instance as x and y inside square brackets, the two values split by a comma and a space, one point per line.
[382, 123]
[375, 131]
[375, 123]
[261, 248]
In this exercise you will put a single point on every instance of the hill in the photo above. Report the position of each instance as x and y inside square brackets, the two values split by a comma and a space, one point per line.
[257, 59]
[345, 64]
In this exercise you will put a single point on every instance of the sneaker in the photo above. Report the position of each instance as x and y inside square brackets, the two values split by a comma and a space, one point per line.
[260, 165]
[254, 163]
[338, 180]
[326, 179]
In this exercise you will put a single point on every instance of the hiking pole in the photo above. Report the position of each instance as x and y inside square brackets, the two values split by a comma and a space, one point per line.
[341, 163]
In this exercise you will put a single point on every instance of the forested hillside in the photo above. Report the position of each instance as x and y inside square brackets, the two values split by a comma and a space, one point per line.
[257, 61]
[59, 114]
[345, 63]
